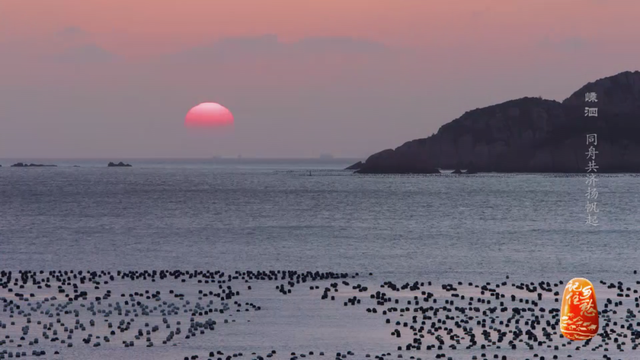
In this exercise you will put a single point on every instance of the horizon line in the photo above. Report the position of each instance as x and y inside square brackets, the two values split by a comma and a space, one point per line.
[184, 158]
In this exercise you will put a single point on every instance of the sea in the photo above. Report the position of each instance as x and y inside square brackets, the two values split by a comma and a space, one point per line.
[308, 215]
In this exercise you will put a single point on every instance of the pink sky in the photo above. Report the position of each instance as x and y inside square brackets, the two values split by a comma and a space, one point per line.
[114, 78]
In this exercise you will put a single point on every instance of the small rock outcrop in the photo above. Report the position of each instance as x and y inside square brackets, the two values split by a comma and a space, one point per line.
[120, 164]
[531, 135]
[31, 165]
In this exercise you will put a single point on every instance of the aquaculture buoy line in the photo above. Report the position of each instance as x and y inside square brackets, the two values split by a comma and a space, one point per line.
[53, 312]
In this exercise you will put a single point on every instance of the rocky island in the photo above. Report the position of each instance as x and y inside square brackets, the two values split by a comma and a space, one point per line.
[120, 164]
[530, 135]
[31, 165]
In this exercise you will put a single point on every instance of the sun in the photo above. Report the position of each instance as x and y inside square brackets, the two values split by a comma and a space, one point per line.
[208, 114]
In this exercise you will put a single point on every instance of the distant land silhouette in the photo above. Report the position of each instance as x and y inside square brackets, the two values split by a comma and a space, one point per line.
[31, 165]
[120, 164]
[530, 135]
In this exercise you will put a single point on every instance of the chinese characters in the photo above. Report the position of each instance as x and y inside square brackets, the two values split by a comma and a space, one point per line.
[582, 298]
[579, 312]
[592, 167]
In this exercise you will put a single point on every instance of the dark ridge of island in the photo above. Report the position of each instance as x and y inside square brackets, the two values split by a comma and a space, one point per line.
[31, 165]
[120, 164]
[531, 135]
[355, 166]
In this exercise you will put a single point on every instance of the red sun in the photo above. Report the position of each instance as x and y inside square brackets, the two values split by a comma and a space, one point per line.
[208, 114]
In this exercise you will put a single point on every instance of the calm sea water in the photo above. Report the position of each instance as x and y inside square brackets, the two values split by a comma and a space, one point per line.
[311, 215]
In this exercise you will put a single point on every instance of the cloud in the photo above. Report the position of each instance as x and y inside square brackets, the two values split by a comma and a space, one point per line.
[71, 32]
[70, 45]
[78, 48]
[87, 53]
[270, 47]
[344, 45]
[573, 43]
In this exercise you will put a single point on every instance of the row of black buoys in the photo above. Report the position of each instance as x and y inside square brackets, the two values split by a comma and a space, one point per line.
[84, 288]
[549, 327]
[134, 306]
[78, 308]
